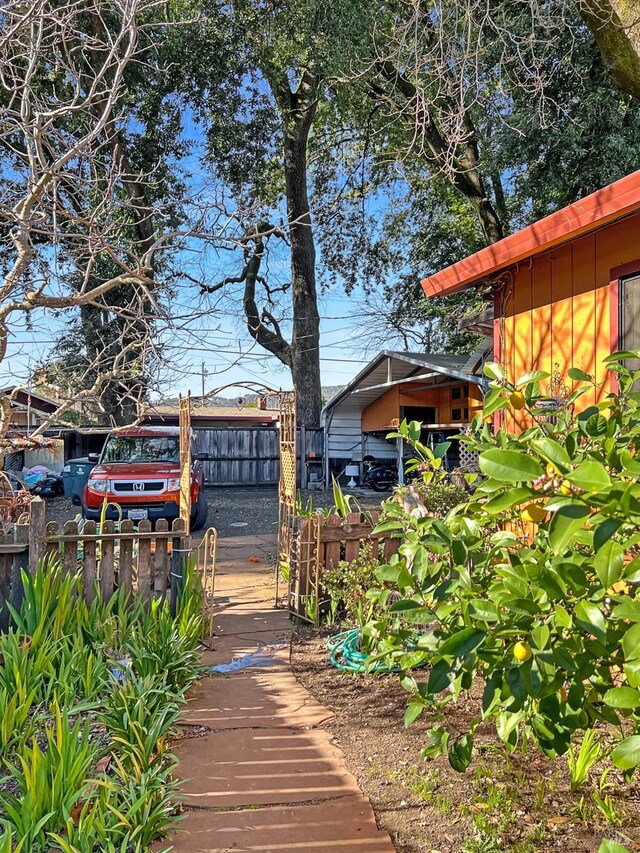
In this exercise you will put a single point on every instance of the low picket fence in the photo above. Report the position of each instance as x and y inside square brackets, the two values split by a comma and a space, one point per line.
[321, 542]
[145, 563]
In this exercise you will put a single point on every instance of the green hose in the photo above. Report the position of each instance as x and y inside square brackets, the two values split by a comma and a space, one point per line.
[345, 654]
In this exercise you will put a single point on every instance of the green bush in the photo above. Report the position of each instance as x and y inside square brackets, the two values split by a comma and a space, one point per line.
[346, 585]
[531, 582]
[438, 497]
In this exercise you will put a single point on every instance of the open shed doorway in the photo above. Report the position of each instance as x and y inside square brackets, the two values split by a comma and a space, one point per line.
[424, 414]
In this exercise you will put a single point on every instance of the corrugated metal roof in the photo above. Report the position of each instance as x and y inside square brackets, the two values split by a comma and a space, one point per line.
[373, 381]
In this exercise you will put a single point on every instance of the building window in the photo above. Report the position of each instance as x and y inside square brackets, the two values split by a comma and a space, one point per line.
[466, 414]
[630, 318]
[466, 390]
[456, 414]
[456, 393]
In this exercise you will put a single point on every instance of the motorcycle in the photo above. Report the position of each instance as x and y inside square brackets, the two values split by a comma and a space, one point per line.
[380, 474]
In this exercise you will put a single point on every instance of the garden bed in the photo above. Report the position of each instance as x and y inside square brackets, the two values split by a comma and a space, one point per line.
[89, 706]
[516, 804]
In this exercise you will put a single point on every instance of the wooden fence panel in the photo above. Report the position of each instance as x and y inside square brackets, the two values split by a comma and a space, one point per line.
[107, 560]
[335, 539]
[250, 455]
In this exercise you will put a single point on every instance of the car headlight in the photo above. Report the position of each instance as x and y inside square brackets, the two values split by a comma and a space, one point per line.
[173, 484]
[97, 485]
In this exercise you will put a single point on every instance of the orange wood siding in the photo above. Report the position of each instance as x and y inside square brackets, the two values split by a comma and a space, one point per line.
[379, 414]
[557, 311]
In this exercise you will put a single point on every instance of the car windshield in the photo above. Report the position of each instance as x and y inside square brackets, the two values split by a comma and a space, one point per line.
[127, 448]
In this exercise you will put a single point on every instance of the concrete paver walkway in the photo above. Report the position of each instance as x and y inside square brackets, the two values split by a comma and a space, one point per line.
[265, 776]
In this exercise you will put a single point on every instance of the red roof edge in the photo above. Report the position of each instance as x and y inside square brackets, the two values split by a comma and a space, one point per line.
[606, 205]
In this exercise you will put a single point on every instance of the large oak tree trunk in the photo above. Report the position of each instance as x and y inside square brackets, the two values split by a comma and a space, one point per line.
[305, 342]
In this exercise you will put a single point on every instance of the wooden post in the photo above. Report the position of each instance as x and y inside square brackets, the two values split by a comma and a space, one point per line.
[352, 546]
[144, 562]
[70, 548]
[36, 533]
[184, 419]
[161, 560]
[303, 457]
[331, 549]
[6, 560]
[125, 569]
[89, 569]
[178, 555]
[20, 563]
[107, 561]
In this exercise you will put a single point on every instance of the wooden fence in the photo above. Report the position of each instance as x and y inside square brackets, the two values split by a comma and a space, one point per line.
[251, 455]
[322, 542]
[145, 563]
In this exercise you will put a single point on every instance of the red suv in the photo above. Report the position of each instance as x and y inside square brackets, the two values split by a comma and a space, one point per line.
[139, 469]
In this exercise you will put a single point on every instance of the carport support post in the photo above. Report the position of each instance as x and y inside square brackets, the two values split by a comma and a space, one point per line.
[303, 457]
[400, 446]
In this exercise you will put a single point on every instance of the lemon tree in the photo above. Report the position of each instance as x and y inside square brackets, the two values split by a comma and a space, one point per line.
[532, 582]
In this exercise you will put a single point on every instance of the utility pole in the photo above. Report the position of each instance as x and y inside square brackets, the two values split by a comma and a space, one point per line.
[204, 375]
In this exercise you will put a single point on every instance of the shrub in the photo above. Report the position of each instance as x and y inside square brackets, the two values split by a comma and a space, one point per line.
[346, 585]
[532, 581]
[438, 497]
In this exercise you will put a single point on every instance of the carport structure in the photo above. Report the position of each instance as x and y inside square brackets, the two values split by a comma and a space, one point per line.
[440, 390]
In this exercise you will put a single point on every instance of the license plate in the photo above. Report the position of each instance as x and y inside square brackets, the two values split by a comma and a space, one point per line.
[138, 514]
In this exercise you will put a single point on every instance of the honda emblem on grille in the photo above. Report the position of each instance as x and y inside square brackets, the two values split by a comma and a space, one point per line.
[138, 487]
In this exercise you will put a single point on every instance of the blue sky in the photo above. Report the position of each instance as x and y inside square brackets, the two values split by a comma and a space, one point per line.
[216, 340]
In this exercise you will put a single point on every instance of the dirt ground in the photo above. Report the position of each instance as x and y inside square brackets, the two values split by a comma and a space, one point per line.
[502, 804]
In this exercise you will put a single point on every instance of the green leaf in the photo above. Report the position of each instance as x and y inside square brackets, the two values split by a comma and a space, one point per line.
[552, 452]
[605, 531]
[565, 522]
[493, 370]
[510, 466]
[483, 611]
[630, 463]
[390, 574]
[608, 846]
[591, 619]
[626, 755]
[440, 677]
[404, 605]
[591, 476]
[532, 376]
[494, 401]
[578, 375]
[609, 563]
[414, 709]
[622, 697]
[631, 643]
[459, 552]
[509, 498]
[462, 642]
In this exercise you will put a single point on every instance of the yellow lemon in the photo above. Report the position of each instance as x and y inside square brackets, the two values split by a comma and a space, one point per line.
[522, 651]
[620, 587]
[565, 488]
[533, 513]
[517, 400]
[550, 470]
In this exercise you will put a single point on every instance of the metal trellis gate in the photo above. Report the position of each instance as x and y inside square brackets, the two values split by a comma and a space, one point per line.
[286, 489]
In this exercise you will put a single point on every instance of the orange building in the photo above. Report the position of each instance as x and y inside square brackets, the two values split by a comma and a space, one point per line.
[565, 291]
[441, 391]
